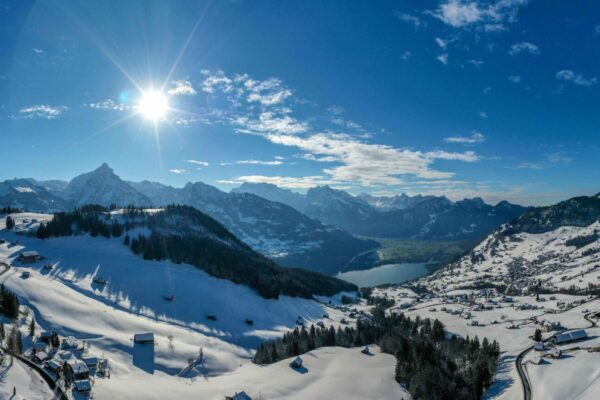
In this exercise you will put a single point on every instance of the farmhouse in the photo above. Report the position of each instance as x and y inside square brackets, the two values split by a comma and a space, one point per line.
[83, 386]
[29, 256]
[572, 336]
[144, 337]
[78, 369]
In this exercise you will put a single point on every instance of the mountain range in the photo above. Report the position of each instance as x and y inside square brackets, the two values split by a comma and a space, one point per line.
[400, 217]
[316, 230]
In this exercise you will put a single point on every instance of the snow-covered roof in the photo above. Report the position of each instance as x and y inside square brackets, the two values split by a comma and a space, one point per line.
[78, 366]
[83, 385]
[30, 253]
[571, 336]
[144, 337]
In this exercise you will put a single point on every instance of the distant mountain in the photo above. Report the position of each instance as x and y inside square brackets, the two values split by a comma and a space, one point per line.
[396, 202]
[102, 186]
[28, 194]
[274, 193]
[275, 229]
[401, 216]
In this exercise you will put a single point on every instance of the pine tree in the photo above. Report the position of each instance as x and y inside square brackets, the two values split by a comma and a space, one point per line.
[10, 223]
[32, 327]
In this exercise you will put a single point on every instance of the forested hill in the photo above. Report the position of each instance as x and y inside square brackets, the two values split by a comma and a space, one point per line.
[183, 234]
[578, 211]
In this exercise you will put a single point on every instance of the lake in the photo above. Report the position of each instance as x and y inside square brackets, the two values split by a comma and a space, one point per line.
[389, 273]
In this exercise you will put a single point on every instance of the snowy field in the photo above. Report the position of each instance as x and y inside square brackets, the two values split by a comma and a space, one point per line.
[106, 316]
[28, 384]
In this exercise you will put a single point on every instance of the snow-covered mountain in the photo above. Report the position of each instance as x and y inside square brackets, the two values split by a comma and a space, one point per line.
[102, 186]
[547, 248]
[401, 216]
[30, 195]
[274, 229]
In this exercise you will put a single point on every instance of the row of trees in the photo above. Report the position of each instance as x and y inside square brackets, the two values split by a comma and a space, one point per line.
[9, 303]
[9, 210]
[429, 364]
[92, 222]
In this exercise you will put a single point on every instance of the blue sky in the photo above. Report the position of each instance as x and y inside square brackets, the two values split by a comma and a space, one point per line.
[497, 99]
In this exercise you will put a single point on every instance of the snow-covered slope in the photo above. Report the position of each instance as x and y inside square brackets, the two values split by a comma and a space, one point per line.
[66, 299]
[27, 194]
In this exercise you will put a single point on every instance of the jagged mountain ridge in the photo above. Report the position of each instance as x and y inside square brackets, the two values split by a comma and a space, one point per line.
[274, 229]
[401, 216]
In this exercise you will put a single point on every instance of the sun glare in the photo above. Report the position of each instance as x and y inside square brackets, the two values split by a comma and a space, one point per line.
[153, 105]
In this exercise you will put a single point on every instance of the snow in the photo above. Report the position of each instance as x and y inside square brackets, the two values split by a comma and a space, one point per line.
[106, 317]
[29, 385]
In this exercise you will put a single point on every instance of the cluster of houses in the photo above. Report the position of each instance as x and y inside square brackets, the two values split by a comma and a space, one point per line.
[69, 360]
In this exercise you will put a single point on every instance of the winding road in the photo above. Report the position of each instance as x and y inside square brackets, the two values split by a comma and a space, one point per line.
[519, 360]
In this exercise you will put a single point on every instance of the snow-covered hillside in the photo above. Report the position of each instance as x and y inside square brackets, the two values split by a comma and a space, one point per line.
[134, 299]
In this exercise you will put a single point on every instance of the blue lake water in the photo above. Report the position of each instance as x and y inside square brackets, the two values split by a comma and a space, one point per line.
[389, 273]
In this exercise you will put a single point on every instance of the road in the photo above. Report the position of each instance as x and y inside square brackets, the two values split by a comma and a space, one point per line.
[519, 359]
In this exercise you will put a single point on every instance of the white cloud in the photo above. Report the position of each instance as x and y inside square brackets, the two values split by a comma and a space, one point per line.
[370, 164]
[483, 115]
[42, 111]
[515, 78]
[411, 19]
[406, 55]
[216, 80]
[489, 16]
[443, 58]
[474, 138]
[354, 161]
[559, 157]
[108, 104]
[177, 171]
[270, 122]
[197, 162]
[524, 47]
[290, 182]
[442, 43]
[528, 165]
[260, 162]
[578, 79]
[476, 63]
[181, 88]
[37, 51]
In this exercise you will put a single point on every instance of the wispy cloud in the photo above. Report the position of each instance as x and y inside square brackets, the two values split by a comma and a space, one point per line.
[524, 47]
[514, 78]
[354, 160]
[487, 16]
[443, 58]
[474, 138]
[559, 157]
[108, 104]
[290, 182]
[578, 79]
[181, 88]
[198, 162]
[37, 51]
[42, 111]
[260, 162]
[178, 171]
[528, 165]
[416, 21]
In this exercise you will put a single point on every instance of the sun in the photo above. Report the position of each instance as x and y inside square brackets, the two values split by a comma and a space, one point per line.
[153, 105]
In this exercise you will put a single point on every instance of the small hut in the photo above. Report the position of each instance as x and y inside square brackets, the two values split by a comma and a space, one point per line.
[296, 363]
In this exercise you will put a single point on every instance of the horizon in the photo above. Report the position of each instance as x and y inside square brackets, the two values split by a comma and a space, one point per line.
[432, 101]
[298, 191]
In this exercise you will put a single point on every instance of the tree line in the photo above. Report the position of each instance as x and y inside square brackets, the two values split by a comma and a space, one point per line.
[429, 363]
[9, 303]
